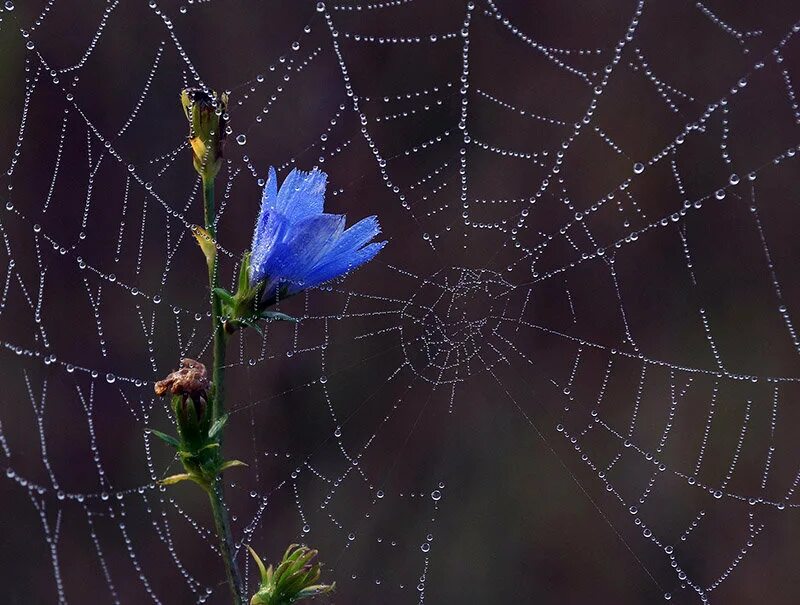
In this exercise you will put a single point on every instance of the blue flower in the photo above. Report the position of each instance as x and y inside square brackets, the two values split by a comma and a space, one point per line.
[296, 245]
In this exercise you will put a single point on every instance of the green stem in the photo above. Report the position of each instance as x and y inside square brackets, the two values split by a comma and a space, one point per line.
[226, 545]
[220, 337]
[216, 492]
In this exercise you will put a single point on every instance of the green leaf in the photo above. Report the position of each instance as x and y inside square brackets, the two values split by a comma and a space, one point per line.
[217, 427]
[168, 439]
[206, 243]
[230, 464]
[252, 324]
[313, 591]
[171, 480]
[277, 316]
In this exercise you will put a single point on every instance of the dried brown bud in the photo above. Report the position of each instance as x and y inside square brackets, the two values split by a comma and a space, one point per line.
[191, 379]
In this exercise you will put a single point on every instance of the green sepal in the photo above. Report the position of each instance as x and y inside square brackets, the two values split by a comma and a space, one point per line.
[265, 574]
[217, 427]
[244, 272]
[168, 439]
[225, 296]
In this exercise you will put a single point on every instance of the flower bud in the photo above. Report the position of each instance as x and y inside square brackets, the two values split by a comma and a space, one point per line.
[189, 386]
[199, 433]
[207, 118]
[293, 580]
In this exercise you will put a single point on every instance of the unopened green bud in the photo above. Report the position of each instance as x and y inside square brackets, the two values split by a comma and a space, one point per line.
[207, 116]
[293, 580]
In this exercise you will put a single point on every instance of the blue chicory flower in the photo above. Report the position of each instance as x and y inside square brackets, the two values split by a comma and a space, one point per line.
[296, 245]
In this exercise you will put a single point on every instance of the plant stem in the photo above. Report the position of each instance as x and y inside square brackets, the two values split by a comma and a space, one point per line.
[218, 368]
[226, 545]
[216, 491]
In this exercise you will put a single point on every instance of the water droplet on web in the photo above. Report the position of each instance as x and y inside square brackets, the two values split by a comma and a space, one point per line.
[425, 547]
[323, 379]
[638, 168]
[436, 495]
[733, 179]
[320, 6]
[110, 378]
[241, 139]
[380, 493]
[9, 5]
[720, 194]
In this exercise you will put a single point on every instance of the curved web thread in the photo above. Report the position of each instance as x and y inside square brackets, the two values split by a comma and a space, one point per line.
[571, 216]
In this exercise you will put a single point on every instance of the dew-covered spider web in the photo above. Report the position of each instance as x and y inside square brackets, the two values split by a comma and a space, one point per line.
[570, 377]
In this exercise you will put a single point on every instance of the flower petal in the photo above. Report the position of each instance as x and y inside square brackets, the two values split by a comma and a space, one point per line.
[267, 225]
[356, 236]
[341, 264]
[303, 247]
[269, 199]
[302, 194]
[270, 230]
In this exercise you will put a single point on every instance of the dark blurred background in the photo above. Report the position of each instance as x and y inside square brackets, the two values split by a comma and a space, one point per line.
[564, 380]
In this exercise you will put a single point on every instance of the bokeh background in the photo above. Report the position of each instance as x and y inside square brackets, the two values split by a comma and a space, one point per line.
[482, 414]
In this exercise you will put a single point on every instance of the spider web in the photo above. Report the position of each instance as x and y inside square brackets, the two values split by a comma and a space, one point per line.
[570, 375]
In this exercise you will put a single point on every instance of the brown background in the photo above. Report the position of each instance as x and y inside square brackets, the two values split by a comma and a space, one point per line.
[522, 517]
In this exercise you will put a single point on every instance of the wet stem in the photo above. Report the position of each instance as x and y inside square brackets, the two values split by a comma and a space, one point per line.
[215, 491]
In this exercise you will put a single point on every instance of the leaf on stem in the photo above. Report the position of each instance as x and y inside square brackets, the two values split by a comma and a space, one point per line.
[168, 439]
[230, 464]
